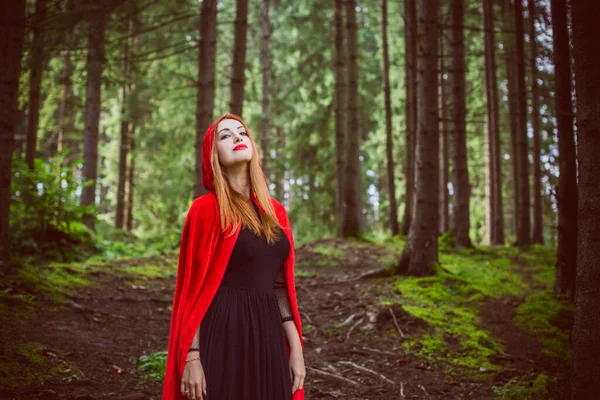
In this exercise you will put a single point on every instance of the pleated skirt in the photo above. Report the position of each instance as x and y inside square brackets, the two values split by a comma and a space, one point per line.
[242, 346]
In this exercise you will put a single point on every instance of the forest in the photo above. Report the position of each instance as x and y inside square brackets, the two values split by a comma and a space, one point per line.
[438, 160]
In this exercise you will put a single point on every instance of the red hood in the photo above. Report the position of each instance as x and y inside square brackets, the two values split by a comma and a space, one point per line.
[208, 175]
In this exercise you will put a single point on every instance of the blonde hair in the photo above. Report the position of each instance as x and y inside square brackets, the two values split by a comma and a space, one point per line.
[235, 209]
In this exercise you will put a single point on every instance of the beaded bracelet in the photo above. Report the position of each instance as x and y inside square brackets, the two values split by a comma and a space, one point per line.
[192, 359]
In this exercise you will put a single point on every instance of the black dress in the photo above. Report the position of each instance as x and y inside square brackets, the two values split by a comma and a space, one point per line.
[242, 340]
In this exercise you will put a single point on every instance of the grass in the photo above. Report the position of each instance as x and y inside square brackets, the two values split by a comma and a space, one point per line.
[450, 300]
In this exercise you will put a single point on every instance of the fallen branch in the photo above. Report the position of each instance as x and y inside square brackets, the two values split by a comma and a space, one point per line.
[367, 371]
[352, 328]
[379, 351]
[333, 376]
[396, 323]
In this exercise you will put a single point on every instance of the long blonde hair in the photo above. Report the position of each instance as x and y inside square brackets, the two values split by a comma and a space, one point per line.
[235, 209]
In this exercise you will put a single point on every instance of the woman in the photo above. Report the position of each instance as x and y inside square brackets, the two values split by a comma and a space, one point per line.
[235, 327]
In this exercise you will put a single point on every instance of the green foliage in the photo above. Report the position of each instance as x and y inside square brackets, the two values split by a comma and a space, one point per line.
[153, 364]
[524, 388]
[544, 317]
[45, 213]
[449, 302]
[24, 364]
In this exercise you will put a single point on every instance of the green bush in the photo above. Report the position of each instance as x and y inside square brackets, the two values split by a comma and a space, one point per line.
[45, 214]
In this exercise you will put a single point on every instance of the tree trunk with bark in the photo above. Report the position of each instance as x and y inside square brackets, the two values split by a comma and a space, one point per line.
[35, 80]
[340, 111]
[410, 62]
[462, 189]
[238, 78]
[95, 62]
[495, 224]
[444, 142]
[537, 236]
[207, 52]
[566, 254]
[352, 206]
[124, 130]
[420, 253]
[513, 117]
[265, 70]
[523, 218]
[391, 187]
[12, 35]
[585, 373]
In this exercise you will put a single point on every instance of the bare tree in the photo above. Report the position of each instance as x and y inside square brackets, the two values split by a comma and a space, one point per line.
[388, 124]
[351, 220]
[207, 53]
[340, 110]
[462, 188]
[586, 346]
[410, 63]
[12, 33]
[420, 252]
[238, 78]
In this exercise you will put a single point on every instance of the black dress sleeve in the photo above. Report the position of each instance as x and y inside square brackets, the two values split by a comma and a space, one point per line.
[281, 293]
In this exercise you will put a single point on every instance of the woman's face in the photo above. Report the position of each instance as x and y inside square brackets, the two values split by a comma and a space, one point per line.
[233, 144]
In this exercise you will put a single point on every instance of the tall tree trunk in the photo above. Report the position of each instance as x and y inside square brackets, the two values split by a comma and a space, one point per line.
[280, 169]
[125, 123]
[95, 61]
[130, 177]
[421, 249]
[12, 32]
[495, 204]
[265, 70]
[351, 220]
[444, 143]
[238, 78]
[340, 111]
[537, 236]
[410, 62]
[524, 225]
[388, 124]
[586, 346]
[207, 51]
[513, 117]
[462, 189]
[566, 253]
[35, 80]
[65, 125]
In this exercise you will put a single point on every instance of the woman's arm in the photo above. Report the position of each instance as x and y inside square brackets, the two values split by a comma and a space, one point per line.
[285, 309]
[194, 350]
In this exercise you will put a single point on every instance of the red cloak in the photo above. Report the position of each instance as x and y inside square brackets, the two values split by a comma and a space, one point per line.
[203, 257]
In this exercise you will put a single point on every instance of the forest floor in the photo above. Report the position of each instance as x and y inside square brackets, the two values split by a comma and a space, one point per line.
[99, 330]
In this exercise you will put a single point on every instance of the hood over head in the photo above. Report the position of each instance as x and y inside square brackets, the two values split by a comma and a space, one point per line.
[208, 175]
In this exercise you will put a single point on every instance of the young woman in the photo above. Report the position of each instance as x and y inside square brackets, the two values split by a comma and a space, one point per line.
[235, 329]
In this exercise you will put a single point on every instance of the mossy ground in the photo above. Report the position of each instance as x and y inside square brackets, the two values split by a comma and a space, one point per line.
[450, 304]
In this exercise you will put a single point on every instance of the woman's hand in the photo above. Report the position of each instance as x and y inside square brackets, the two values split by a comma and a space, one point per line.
[193, 381]
[298, 372]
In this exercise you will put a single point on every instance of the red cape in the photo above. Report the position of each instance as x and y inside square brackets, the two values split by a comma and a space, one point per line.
[203, 257]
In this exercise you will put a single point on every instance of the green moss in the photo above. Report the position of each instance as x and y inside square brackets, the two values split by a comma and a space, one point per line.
[529, 387]
[328, 251]
[149, 271]
[25, 365]
[58, 280]
[547, 319]
[305, 274]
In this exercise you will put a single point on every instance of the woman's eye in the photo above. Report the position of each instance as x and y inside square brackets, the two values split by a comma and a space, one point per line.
[244, 133]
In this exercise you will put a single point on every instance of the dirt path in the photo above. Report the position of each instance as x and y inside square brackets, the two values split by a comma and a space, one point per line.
[95, 338]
